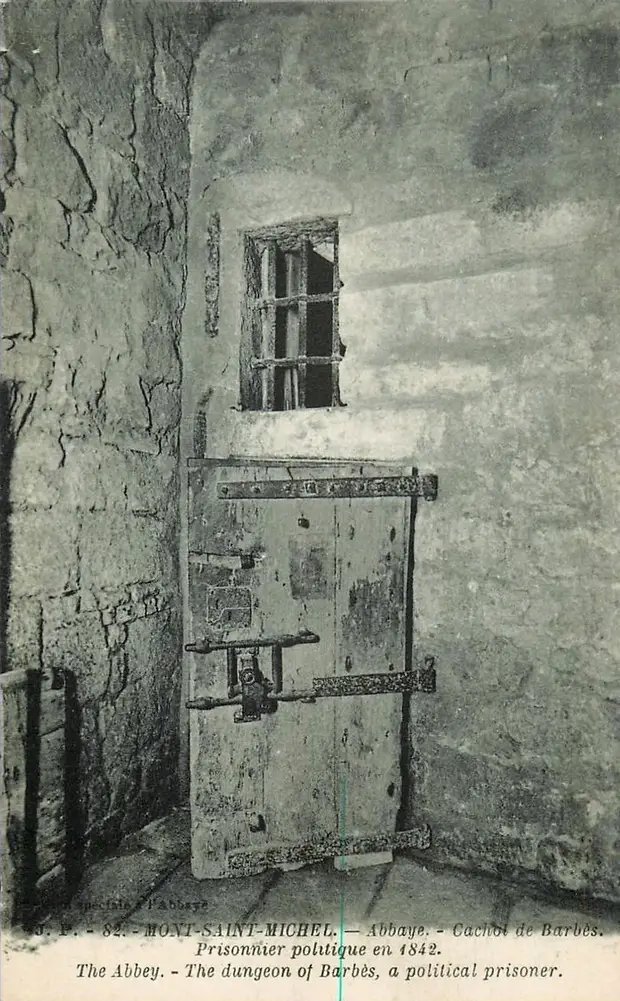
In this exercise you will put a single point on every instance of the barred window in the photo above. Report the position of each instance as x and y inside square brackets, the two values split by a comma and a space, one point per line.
[291, 349]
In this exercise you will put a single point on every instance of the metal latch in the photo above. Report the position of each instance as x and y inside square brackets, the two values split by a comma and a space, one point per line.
[255, 689]
[247, 685]
[260, 695]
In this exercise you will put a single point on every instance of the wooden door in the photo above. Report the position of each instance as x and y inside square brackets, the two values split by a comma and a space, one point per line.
[300, 573]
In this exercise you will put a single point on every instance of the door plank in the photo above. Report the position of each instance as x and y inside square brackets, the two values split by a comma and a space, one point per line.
[294, 590]
[372, 546]
[226, 759]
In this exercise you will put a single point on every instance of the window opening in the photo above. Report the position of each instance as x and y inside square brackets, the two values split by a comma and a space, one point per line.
[291, 348]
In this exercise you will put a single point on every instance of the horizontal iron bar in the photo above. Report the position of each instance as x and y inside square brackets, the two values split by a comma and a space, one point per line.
[339, 687]
[292, 300]
[284, 640]
[331, 487]
[246, 862]
[295, 361]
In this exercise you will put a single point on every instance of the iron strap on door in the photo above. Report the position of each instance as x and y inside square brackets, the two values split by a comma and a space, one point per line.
[331, 488]
[246, 862]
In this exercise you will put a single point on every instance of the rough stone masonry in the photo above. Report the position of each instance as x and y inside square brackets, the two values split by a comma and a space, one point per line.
[95, 165]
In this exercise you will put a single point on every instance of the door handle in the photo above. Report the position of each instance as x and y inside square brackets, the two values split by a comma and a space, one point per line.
[283, 640]
[247, 686]
[422, 680]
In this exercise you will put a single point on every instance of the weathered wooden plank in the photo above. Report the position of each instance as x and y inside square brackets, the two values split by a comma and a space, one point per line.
[52, 710]
[371, 565]
[51, 763]
[226, 790]
[14, 689]
[51, 829]
[297, 592]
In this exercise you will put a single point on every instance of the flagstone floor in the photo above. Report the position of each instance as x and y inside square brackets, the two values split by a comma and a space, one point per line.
[149, 882]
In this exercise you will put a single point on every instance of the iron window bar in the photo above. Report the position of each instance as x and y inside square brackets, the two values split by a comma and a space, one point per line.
[294, 316]
[263, 302]
[261, 363]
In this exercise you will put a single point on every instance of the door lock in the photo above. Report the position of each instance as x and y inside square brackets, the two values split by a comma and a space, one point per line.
[254, 691]
[257, 695]
[246, 683]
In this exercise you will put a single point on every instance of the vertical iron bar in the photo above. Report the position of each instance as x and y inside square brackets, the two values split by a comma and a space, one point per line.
[335, 333]
[303, 321]
[231, 670]
[291, 350]
[276, 667]
[269, 327]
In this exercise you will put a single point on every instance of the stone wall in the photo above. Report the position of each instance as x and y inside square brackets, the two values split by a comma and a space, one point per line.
[470, 154]
[96, 165]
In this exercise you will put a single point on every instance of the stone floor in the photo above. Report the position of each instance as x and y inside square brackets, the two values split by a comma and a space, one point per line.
[149, 880]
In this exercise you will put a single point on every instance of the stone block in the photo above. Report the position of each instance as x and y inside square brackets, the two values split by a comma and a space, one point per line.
[162, 143]
[96, 476]
[41, 228]
[151, 486]
[23, 635]
[165, 408]
[17, 306]
[94, 245]
[27, 362]
[26, 28]
[47, 160]
[62, 610]
[36, 470]
[565, 862]
[459, 786]
[7, 114]
[154, 650]
[126, 408]
[171, 82]
[79, 648]
[44, 552]
[7, 154]
[116, 547]
[137, 206]
[105, 91]
[127, 37]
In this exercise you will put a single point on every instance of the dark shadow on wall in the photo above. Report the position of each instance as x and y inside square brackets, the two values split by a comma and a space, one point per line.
[75, 822]
[7, 447]
[28, 850]
[403, 817]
